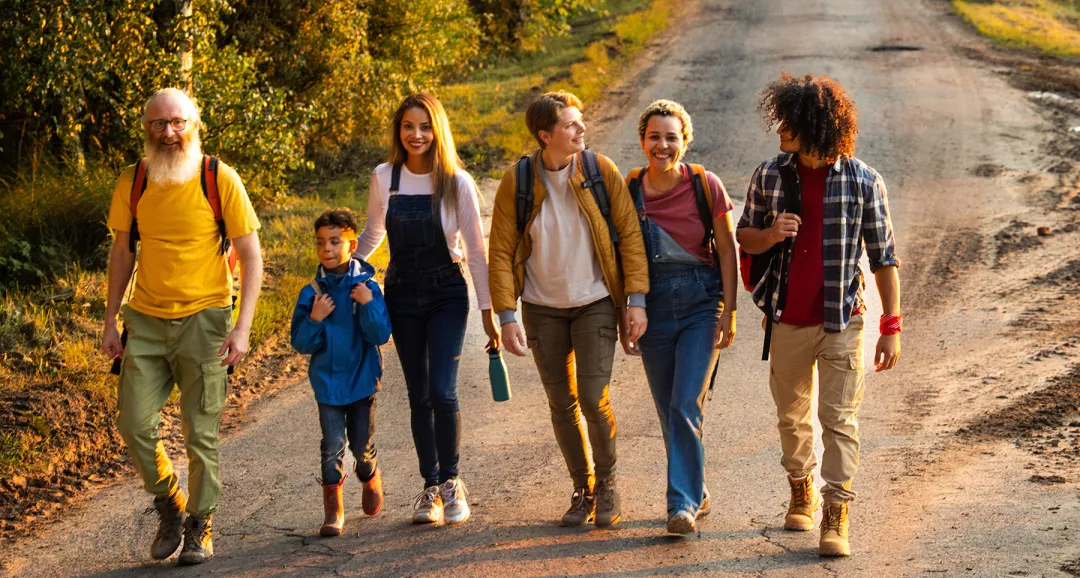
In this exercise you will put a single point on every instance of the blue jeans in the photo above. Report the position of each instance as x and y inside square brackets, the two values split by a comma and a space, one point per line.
[354, 423]
[683, 304]
[428, 311]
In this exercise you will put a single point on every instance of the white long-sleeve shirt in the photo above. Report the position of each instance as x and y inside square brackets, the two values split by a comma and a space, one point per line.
[461, 227]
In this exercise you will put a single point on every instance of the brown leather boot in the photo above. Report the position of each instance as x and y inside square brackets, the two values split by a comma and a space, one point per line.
[834, 530]
[804, 502]
[333, 508]
[373, 495]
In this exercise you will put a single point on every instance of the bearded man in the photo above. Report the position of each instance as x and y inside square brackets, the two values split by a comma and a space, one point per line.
[179, 321]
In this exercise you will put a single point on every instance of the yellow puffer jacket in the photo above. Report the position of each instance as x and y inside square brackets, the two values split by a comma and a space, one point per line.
[508, 250]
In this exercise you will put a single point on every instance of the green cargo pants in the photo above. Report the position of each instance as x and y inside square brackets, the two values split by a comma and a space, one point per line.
[159, 353]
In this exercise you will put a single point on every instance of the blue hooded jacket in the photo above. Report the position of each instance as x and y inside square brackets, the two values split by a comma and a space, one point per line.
[346, 364]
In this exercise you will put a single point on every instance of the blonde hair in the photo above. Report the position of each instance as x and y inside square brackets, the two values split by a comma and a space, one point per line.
[668, 108]
[543, 112]
[444, 158]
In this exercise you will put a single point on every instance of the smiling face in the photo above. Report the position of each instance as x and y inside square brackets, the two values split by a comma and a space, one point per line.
[663, 143]
[416, 133]
[335, 247]
[788, 142]
[172, 154]
[568, 135]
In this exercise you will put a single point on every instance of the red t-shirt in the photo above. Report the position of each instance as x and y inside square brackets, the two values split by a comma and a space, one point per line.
[806, 273]
[676, 212]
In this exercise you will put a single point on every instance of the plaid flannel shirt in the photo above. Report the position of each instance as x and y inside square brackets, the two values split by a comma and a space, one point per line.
[856, 213]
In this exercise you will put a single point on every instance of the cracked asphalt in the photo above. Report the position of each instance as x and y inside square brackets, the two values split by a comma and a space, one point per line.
[928, 502]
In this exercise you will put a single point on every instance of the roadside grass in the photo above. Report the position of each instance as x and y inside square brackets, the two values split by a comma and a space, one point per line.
[57, 398]
[1046, 26]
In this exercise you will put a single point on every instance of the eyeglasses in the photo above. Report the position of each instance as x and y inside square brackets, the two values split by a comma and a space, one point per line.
[159, 124]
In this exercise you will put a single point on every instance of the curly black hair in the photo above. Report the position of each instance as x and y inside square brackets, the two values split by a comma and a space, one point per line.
[341, 218]
[816, 110]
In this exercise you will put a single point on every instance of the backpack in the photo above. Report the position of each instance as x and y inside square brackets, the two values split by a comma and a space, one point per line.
[754, 267]
[594, 181]
[208, 179]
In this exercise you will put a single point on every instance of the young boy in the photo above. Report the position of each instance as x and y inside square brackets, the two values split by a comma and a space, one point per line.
[341, 320]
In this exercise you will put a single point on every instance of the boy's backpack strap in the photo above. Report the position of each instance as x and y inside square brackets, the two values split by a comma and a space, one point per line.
[636, 187]
[314, 284]
[395, 178]
[789, 184]
[704, 200]
[138, 187]
[523, 191]
[594, 181]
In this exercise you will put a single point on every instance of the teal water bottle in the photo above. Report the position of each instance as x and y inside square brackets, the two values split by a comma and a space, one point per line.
[500, 381]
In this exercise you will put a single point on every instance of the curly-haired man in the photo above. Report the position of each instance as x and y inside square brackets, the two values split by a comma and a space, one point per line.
[810, 211]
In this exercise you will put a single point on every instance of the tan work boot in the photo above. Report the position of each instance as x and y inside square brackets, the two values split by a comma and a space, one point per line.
[804, 502]
[834, 530]
[333, 509]
[372, 498]
[608, 504]
[170, 525]
[582, 508]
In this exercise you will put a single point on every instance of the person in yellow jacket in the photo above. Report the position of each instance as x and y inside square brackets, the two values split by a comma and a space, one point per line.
[577, 286]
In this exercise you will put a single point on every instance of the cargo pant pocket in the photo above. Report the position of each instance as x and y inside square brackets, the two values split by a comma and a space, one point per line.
[214, 383]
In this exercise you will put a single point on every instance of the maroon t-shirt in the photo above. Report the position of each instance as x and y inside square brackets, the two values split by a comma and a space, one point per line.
[676, 212]
[806, 273]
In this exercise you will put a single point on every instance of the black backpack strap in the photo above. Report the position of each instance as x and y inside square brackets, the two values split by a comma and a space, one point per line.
[523, 191]
[138, 180]
[594, 181]
[636, 193]
[703, 208]
[395, 178]
[792, 203]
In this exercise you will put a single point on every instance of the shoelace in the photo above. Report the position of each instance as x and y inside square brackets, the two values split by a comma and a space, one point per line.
[577, 501]
[424, 500]
[459, 490]
[605, 498]
[198, 534]
[832, 519]
[801, 494]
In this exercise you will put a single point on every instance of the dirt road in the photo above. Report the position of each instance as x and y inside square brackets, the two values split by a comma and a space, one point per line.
[931, 500]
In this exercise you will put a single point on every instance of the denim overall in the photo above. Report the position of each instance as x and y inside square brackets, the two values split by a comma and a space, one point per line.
[683, 304]
[428, 302]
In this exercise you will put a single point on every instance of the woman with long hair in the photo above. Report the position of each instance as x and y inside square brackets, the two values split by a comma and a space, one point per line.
[428, 206]
[693, 270]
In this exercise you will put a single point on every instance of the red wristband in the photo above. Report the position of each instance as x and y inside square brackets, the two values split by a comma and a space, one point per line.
[891, 324]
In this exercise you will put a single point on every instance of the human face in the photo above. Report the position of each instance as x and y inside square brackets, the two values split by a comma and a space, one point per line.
[416, 132]
[335, 247]
[169, 141]
[568, 135]
[663, 142]
[788, 142]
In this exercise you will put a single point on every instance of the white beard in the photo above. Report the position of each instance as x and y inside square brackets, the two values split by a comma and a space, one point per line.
[173, 168]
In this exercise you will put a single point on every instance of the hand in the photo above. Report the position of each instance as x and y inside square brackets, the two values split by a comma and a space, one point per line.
[361, 294]
[786, 225]
[110, 341]
[887, 353]
[635, 323]
[725, 330]
[514, 339]
[628, 347]
[322, 307]
[490, 329]
[236, 346]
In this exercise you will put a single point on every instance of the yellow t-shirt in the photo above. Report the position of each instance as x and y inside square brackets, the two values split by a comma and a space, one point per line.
[181, 270]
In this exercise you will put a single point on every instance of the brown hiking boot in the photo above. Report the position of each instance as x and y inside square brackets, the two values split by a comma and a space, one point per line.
[804, 502]
[198, 545]
[333, 509]
[608, 504]
[373, 495]
[582, 508]
[834, 530]
[170, 525]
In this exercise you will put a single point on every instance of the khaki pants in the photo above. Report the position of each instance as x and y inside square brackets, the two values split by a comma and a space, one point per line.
[574, 349]
[159, 353]
[794, 353]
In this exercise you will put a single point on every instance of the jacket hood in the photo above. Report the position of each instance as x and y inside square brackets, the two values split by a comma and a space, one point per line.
[359, 272]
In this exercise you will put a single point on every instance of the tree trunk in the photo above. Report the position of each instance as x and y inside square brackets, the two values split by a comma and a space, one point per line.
[187, 43]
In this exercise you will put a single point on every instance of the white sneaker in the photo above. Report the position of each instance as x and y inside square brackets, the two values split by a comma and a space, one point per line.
[428, 507]
[681, 522]
[456, 507]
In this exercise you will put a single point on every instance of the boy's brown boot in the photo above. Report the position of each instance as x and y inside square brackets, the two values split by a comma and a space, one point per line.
[804, 502]
[834, 530]
[608, 504]
[373, 495]
[170, 525]
[333, 508]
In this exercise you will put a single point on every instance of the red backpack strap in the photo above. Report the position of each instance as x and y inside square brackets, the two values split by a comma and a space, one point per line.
[138, 187]
[209, 182]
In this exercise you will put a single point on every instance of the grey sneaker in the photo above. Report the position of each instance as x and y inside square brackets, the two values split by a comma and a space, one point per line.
[608, 504]
[582, 508]
[170, 525]
[198, 545]
[428, 506]
[681, 522]
[455, 506]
